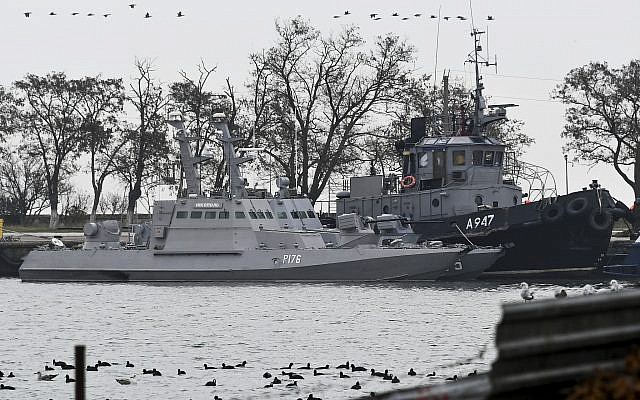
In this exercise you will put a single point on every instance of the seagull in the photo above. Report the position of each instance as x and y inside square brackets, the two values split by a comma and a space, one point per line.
[395, 380]
[75, 13]
[433, 16]
[147, 15]
[526, 294]
[446, 18]
[395, 14]
[417, 15]
[347, 12]
[4, 387]
[356, 386]
[132, 5]
[377, 18]
[588, 290]
[90, 15]
[405, 18]
[336, 16]
[48, 368]
[68, 380]
[560, 293]
[475, 372]
[52, 13]
[105, 15]
[45, 377]
[27, 14]
[411, 372]
[181, 372]
[180, 14]
[461, 18]
[266, 375]
[211, 383]
[452, 378]
[373, 15]
[490, 18]
[615, 286]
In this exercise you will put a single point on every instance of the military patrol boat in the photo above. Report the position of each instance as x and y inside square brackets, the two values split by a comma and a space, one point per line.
[458, 185]
[235, 236]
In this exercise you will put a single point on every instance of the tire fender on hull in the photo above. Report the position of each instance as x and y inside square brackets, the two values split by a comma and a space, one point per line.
[552, 213]
[578, 206]
[600, 220]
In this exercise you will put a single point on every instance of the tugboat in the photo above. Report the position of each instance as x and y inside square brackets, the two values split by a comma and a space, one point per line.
[462, 186]
[236, 236]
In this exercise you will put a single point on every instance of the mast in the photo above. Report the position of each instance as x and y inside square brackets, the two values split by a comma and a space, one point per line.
[237, 187]
[188, 161]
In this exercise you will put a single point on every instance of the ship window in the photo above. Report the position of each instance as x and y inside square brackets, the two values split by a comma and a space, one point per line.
[495, 204]
[253, 214]
[240, 214]
[488, 158]
[477, 157]
[223, 215]
[498, 159]
[435, 203]
[268, 214]
[458, 157]
[196, 214]
[282, 215]
[478, 200]
[294, 215]
[210, 215]
[260, 214]
[181, 214]
[311, 214]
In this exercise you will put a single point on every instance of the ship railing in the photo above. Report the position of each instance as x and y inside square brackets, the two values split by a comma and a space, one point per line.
[537, 181]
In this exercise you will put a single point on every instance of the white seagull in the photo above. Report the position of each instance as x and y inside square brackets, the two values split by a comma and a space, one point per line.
[615, 286]
[588, 290]
[526, 294]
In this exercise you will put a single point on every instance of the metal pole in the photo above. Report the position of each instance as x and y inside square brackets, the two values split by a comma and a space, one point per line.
[566, 173]
[80, 372]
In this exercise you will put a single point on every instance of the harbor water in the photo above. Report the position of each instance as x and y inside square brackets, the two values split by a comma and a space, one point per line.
[443, 328]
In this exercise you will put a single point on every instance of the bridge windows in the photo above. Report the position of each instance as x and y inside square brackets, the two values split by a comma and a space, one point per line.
[477, 157]
[196, 214]
[282, 215]
[260, 214]
[240, 215]
[253, 214]
[488, 158]
[459, 158]
[223, 215]
[210, 215]
[268, 214]
[181, 214]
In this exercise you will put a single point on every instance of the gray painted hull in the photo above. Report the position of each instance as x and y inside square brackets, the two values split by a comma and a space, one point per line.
[472, 264]
[322, 265]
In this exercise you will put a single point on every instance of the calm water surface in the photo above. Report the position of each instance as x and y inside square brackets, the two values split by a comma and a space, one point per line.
[430, 327]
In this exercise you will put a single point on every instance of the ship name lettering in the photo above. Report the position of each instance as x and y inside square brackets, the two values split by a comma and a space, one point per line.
[291, 259]
[476, 222]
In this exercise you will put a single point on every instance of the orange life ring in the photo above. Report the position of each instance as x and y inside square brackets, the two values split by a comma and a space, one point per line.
[408, 181]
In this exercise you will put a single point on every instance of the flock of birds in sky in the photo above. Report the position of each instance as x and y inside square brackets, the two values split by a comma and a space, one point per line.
[379, 16]
[347, 13]
[587, 290]
[288, 377]
[132, 6]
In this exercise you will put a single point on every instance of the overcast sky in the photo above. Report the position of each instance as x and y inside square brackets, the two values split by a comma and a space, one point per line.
[536, 42]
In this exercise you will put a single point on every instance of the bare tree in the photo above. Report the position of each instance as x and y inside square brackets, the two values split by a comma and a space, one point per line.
[104, 136]
[113, 203]
[146, 148]
[312, 95]
[23, 184]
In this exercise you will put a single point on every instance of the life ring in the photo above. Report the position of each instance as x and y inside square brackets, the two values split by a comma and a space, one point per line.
[552, 214]
[408, 181]
[600, 220]
[577, 206]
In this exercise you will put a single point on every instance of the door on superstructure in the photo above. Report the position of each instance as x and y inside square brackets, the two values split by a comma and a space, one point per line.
[440, 166]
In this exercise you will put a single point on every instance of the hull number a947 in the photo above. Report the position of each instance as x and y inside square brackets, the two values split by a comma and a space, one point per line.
[291, 258]
[477, 222]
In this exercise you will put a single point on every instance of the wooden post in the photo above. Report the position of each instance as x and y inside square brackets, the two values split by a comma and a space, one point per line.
[80, 372]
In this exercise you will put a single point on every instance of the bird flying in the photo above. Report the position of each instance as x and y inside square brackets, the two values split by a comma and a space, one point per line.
[347, 12]
[461, 18]
[147, 15]
[417, 15]
[105, 15]
[373, 15]
[52, 13]
[395, 14]
[27, 14]
[490, 18]
[132, 5]
[180, 14]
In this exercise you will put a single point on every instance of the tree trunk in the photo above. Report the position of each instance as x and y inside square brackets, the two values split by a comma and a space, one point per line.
[53, 220]
[134, 195]
[94, 208]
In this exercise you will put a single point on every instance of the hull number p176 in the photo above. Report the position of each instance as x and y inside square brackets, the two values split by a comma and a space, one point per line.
[291, 258]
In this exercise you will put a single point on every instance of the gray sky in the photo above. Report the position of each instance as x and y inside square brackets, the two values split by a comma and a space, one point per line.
[537, 43]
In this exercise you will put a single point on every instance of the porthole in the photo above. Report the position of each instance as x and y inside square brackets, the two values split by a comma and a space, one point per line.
[435, 203]
[478, 200]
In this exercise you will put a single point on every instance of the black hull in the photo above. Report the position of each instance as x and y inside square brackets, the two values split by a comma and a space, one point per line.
[534, 241]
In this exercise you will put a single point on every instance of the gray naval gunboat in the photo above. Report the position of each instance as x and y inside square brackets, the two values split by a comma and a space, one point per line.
[237, 236]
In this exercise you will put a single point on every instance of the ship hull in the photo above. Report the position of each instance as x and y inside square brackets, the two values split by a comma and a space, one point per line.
[321, 265]
[536, 240]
